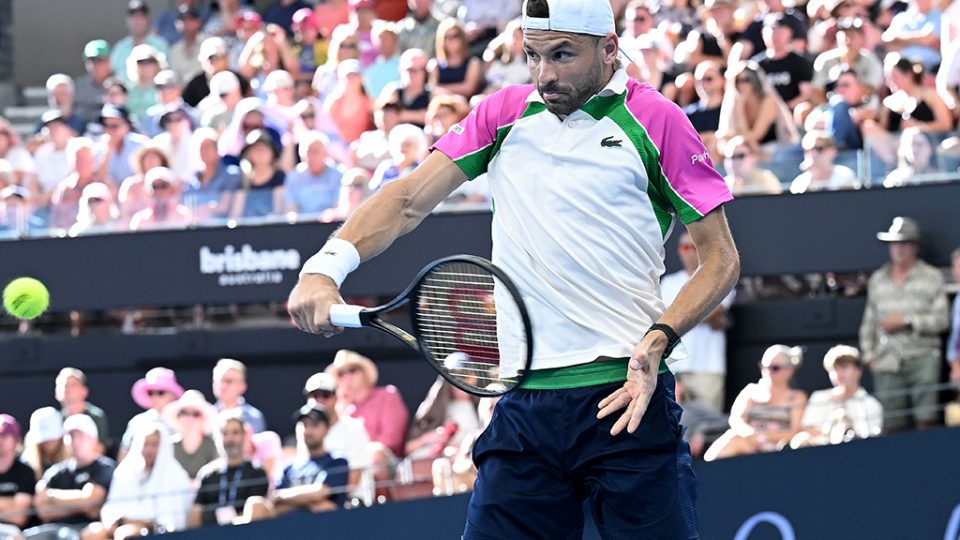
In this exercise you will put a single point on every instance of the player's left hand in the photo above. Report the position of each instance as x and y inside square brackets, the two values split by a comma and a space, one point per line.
[637, 390]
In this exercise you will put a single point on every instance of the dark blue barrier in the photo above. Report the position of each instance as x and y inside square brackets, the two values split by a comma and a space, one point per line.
[902, 487]
[786, 234]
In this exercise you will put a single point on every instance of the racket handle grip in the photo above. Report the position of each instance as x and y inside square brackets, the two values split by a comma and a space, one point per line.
[345, 315]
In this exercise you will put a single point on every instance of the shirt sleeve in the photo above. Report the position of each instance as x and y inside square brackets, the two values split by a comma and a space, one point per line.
[690, 183]
[103, 475]
[471, 143]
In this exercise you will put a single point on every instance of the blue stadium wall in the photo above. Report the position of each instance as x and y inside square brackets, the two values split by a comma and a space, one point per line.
[779, 234]
[901, 487]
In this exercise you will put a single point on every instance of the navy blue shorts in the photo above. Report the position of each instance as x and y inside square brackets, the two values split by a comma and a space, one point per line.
[545, 452]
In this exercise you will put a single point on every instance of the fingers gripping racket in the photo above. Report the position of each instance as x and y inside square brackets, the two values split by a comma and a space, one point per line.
[467, 320]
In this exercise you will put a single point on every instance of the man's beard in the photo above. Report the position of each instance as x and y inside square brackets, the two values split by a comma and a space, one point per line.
[573, 96]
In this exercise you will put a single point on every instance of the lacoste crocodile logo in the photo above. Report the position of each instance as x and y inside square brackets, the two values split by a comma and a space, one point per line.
[609, 142]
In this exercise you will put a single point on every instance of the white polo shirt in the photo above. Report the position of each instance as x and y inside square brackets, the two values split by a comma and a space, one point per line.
[583, 206]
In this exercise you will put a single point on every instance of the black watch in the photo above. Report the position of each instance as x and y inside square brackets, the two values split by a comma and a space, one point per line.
[673, 338]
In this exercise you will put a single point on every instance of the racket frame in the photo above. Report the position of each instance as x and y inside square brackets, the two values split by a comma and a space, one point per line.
[370, 317]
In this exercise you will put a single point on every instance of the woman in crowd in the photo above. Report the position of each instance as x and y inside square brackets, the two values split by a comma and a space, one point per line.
[408, 148]
[443, 419]
[265, 52]
[13, 151]
[175, 141]
[248, 117]
[115, 92]
[506, 63]
[910, 105]
[149, 492]
[98, 212]
[444, 112]
[916, 157]
[348, 105]
[43, 446]
[412, 94]
[261, 190]
[343, 46]
[454, 70]
[193, 444]
[766, 414]
[752, 109]
[165, 210]
[132, 195]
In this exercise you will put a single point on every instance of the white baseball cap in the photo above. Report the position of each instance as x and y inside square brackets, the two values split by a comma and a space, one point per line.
[223, 83]
[83, 423]
[46, 424]
[593, 17]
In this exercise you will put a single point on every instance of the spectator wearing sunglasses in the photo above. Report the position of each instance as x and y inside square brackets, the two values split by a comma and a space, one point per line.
[704, 115]
[194, 418]
[820, 171]
[767, 413]
[743, 174]
[154, 392]
[165, 210]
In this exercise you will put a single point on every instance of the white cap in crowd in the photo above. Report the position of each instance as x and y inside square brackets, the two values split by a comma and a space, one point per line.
[82, 423]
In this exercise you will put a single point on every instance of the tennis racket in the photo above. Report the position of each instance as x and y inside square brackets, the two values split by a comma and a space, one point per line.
[466, 319]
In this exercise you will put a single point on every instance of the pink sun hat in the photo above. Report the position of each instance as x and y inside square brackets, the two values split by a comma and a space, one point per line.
[155, 379]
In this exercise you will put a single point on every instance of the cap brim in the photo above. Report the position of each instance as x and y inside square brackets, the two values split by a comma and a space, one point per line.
[895, 237]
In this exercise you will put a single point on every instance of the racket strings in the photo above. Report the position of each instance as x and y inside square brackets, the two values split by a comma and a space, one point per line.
[464, 317]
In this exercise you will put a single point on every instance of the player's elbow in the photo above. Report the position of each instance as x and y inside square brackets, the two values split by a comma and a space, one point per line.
[410, 213]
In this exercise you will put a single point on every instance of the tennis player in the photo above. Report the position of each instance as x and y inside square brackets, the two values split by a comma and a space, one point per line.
[589, 170]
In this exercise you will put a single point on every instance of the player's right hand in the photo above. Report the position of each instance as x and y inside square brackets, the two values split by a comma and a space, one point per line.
[309, 304]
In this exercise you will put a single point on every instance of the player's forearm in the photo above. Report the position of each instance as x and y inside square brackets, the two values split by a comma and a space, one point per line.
[715, 277]
[400, 206]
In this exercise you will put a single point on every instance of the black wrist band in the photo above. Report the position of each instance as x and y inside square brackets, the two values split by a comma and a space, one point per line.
[673, 338]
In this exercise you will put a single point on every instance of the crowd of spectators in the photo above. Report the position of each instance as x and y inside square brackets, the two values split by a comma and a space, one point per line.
[184, 462]
[202, 115]
[207, 113]
[906, 314]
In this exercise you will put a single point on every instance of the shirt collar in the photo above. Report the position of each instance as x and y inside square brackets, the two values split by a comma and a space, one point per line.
[617, 85]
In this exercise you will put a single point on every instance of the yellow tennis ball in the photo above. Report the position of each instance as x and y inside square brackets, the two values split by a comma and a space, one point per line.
[26, 298]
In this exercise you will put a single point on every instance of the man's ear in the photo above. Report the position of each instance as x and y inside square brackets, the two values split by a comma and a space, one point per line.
[610, 45]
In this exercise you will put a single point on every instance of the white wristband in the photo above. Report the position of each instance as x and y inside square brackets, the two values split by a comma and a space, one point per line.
[335, 260]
